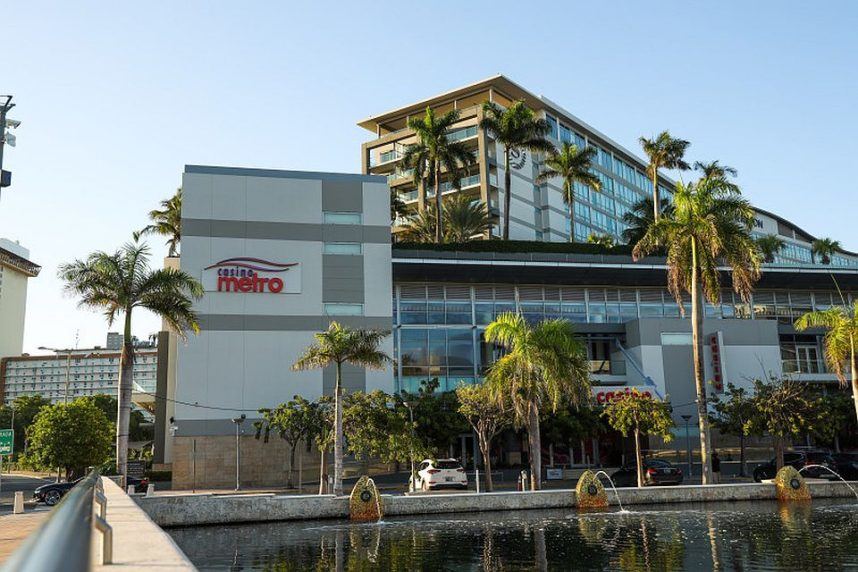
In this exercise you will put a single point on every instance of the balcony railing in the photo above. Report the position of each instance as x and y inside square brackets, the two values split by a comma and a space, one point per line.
[804, 366]
[608, 367]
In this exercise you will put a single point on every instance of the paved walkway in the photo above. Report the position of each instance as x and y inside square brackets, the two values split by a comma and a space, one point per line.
[14, 528]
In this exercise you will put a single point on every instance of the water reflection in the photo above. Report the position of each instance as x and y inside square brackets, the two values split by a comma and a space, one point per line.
[746, 536]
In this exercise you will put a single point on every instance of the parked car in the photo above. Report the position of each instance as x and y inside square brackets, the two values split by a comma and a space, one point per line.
[52, 493]
[797, 460]
[435, 474]
[846, 465]
[655, 472]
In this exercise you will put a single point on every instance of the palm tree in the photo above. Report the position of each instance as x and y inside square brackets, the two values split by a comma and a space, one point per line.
[572, 165]
[840, 341]
[167, 222]
[117, 284]
[664, 152]
[420, 227]
[639, 219]
[823, 249]
[545, 365]
[434, 152]
[516, 128]
[770, 246]
[464, 219]
[605, 240]
[710, 227]
[335, 346]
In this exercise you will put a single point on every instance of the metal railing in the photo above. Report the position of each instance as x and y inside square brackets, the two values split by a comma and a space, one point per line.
[63, 542]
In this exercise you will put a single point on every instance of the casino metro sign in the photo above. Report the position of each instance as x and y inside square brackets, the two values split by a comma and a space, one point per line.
[254, 275]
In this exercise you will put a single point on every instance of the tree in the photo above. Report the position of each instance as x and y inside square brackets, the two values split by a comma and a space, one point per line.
[641, 415]
[436, 415]
[545, 366]
[487, 416]
[770, 246]
[835, 415]
[715, 170]
[437, 153]
[397, 206]
[710, 228]
[572, 165]
[570, 425]
[463, 220]
[664, 152]
[138, 430]
[23, 410]
[292, 421]
[605, 240]
[321, 432]
[167, 222]
[784, 410]
[639, 219]
[516, 129]
[822, 249]
[336, 346]
[71, 435]
[730, 415]
[378, 426]
[118, 284]
[840, 341]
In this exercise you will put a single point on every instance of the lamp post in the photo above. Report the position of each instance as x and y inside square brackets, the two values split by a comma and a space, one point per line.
[238, 421]
[687, 417]
[413, 481]
[5, 107]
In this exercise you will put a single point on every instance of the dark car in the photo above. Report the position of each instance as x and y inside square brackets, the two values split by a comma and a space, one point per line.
[798, 460]
[52, 493]
[655, 472]
[846, 465]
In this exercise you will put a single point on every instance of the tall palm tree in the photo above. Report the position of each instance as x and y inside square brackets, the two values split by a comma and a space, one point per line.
[516, 128]
[710, 227]
[572, 165]
[434, 152]
[336, 346]
[639, 219]
[117, 284]
[664, 152]
[840, 341]
[464, 219]
[545, 365]
[822, 249]
[167, 222]
[770, 246]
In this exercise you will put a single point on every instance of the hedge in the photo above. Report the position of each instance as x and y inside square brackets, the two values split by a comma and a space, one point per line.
[522, 246]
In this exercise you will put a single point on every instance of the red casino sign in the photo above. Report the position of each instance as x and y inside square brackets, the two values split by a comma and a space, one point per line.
[254, 275]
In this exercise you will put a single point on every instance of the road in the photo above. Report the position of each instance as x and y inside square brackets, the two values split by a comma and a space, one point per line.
[15, 482]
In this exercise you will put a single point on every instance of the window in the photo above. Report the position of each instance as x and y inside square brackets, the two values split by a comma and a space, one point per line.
[342, 218]
[342, 248]
[344, 309]
[552, 123]
[676, 339]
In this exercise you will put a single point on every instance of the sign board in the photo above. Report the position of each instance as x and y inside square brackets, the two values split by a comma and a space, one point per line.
[248, 275]
[136, 469]
[7, 441]
[605, 395]
[554, 474]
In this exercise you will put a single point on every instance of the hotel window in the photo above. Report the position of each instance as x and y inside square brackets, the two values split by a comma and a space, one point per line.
[565, 134]
[344, 309]
[342, 218]
[552, 123]
[343, 248]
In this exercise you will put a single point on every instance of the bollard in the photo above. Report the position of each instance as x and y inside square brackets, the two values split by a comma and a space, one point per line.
[19, 502]
[130, 490]
[150, 490]
[477, 479]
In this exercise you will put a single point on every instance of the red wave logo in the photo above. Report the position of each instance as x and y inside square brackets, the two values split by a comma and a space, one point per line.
[257, 264]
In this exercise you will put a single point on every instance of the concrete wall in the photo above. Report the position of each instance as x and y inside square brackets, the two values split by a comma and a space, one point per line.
[13, 306]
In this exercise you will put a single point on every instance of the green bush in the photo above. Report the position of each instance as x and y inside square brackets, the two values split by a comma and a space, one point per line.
[519, 246]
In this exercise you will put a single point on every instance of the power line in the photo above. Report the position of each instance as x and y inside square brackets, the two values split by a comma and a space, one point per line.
[189, 404]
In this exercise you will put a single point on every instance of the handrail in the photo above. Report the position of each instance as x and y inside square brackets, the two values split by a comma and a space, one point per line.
[63, 541]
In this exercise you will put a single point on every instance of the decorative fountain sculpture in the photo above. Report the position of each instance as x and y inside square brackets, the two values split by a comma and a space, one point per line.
[590, 492]
[791, 486]
[365, 502]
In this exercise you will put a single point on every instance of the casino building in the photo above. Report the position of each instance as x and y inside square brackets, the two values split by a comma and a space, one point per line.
[282, 253]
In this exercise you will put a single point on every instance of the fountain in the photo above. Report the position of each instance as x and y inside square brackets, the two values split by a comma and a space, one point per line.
[590, 492]
[854, 492]
[791, 486]
[613, 486]
[365, 502]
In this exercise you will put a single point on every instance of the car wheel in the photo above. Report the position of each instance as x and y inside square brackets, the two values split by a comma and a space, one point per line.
[53, 497]
[758, 476]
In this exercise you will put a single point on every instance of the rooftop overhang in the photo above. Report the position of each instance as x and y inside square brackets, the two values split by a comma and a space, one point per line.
[19, 263]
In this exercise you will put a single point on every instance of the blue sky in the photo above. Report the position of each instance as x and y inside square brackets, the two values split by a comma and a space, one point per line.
[115, 99]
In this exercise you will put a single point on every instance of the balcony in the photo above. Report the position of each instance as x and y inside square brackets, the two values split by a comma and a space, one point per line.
[607, 367]
[803, 366]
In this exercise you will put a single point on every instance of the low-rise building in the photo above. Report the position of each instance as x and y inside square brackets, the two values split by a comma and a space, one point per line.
[16, 269]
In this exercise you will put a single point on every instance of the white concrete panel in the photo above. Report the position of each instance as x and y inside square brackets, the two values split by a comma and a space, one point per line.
[376, 204]
[743, 364]
[555, 199]
[268, 376]
[284, 200]
[309, 256]
[192, 369]
[196, 196]
[378, 287]
[223, 248]
[229, 198]
[196, 254]
[225, 380]
[652, 363]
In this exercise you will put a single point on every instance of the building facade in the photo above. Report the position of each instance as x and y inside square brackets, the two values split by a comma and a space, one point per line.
[15, 270]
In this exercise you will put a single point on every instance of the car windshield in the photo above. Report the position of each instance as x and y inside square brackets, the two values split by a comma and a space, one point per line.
[448, 464]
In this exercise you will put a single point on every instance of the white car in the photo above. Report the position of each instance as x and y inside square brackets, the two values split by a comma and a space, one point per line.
[440, 473]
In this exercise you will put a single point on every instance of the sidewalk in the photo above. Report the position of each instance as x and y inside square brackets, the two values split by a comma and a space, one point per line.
[14, 528]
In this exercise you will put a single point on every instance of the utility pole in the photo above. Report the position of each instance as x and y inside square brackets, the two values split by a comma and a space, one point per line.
[5, 106]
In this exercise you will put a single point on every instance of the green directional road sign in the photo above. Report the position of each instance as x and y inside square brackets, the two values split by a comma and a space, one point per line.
[7, 441]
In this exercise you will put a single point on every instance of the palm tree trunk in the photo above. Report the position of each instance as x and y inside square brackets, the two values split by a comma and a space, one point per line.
[323, 472]
[853, 362]
[338, 433]
[656, 197]
[439, 233]
[779, 453]
[123, 399]
[697, 341]
[535, 447]
[507, 182]
[289, 480]
[421, 195]
[639, 457]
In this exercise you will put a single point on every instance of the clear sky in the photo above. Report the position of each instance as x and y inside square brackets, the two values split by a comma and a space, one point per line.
[115, 99]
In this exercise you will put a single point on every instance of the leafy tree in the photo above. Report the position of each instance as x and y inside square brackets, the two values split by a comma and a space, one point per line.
[822, 249]
[138, 429]
[639, 219]
[516, 129]
[378, 426]
[570, 425]
[436, 415]
[545, 366]
[487, 416]
[664, 152]
[783, 409]
[336, 346]
[641, 415]
[292, 421]
[167, 222]
[434, 153]
[119, 283]
[730, 415]
[710, 228]
[397, 205]
[463, 220]
[605, 240]
[572, 165]
[770, 246]
[840, 341]
[70, 435]
[321, 432]
[835, 415]
[23, 410]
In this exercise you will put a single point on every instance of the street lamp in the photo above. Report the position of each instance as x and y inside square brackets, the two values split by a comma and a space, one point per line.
[687, 417]
[413, 481]
[5, 106]
[238, 421]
